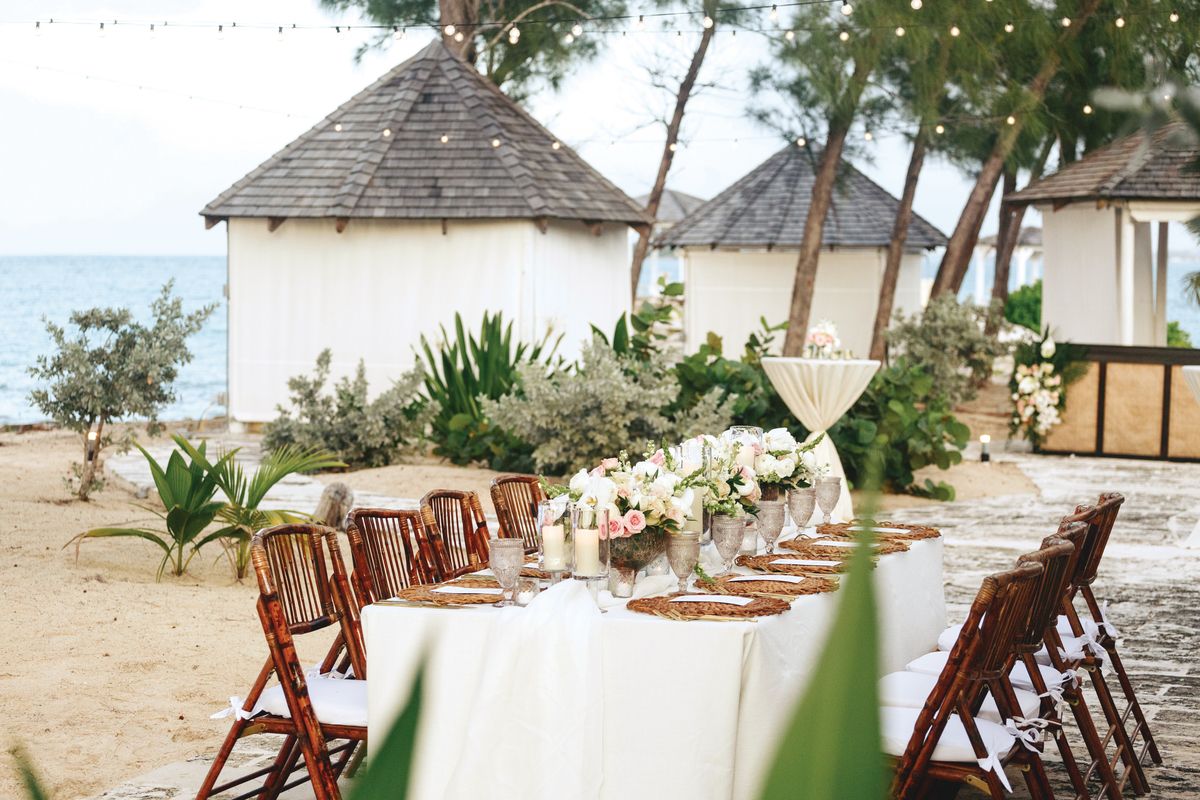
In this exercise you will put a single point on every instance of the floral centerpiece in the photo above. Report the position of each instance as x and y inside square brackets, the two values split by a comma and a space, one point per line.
[1042, 371]
[731, 484]
[784, 463]
[822, 341]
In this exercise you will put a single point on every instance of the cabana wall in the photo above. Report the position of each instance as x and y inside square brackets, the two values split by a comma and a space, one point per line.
[728, 291]
[372, 290]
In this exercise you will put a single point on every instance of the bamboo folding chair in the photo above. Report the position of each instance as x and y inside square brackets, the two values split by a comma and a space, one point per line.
[299, 593]
[391, 551]
[976, 666]
[457, 517]
[516, 498]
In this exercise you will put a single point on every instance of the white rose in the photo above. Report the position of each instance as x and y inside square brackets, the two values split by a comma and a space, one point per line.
[779, 439]
[785, 467]
[645, 469]
[1048, 347]
[1028, 385]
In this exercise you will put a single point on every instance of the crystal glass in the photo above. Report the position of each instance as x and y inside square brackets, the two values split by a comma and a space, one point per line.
[751, 433]
[590, 544]
[801, 503]
[621, 581]
[683, 551]
[526, 591]
[749, 536]
[727, 534]
[555, 544]
[829, 491]
[506, 557]
[770, 522]
[658, 566]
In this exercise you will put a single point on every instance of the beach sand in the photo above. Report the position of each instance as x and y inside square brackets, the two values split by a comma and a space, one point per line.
[108, 673]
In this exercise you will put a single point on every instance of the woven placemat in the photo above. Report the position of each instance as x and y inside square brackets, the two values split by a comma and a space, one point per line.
[765, 564]
[663, 607]
[813, 547]
[911, 533]
[425, 593]
[766, 587]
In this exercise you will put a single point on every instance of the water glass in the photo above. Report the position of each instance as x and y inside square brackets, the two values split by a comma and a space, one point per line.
[683, 552]
[770, 522]
[801, 503]
[829, 491]
[506, 557]
[727, 534]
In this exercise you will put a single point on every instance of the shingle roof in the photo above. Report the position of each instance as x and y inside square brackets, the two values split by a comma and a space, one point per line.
[767, 207]
[1030, 236]
[346, 167]
[1137, 167]
[673, 206]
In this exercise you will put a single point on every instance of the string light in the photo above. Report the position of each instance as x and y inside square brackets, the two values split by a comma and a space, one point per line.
[916, 5]
[448, 30]
[801, 142]
[847, 9]
[387, 132]
[399, 33]
[641, 22]
[707, 22]
[568, 38]
[1066, 22]
[444, 138]
[1087, 109]
[844, 36]
[495, 142]
[790, 35]
[458, 37]
[673, 147]
[555, 145]
[577, 30]
[939, 129]
[514, 35]
[868, 136]
[1008, 27]
[1174, 17]
[773, 15]
[954, 31]
[1120, 23]
[1011, 120]
[899, 31]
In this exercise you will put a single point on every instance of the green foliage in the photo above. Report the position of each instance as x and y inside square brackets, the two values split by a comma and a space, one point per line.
[1024, 306]
[647, 324]
[606, 403]
[901, 423]
[1067, 361]
[29, 778]
[468, 370]
[1177, 336]
[240, 513]
[114, 368]
[388, 773]
[948, 340]
[358, 431]
[186, 489]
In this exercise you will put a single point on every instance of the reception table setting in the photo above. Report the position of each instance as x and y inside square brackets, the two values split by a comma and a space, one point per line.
[656, 642]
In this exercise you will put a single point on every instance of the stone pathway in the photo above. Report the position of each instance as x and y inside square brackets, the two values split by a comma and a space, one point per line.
[1152, 583]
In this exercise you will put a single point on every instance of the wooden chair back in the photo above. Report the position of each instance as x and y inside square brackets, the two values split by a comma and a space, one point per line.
[390, 551]
[516, 498]
[1108, 507]
[1057, 557]
[457, 516]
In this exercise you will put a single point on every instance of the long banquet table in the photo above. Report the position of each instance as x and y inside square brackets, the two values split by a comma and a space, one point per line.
[559, 700]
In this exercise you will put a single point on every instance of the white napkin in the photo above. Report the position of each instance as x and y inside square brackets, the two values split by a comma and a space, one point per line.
[805, 562]
[712, 598]
[876, 530]
[780, 578]
[467, 590]
[834, 543]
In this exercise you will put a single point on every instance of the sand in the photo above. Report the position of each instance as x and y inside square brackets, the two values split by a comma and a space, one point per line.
[108, 673]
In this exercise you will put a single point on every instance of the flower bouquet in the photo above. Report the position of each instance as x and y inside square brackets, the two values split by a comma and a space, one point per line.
[822, 341]
[785, 463]
[1039, 381]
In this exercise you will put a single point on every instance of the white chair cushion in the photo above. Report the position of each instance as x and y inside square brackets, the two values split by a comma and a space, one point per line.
[911, 689]
[948, 637]
[335, 701]
[897, 728]
[934, 663]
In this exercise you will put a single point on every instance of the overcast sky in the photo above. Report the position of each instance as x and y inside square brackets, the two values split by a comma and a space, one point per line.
[91, 163]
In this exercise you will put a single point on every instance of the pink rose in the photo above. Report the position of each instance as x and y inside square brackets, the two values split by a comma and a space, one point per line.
[757, 448]
[658, 459]
[635, 521]
[609, 463]
[599, 471]
[746, 474]
[616, 526]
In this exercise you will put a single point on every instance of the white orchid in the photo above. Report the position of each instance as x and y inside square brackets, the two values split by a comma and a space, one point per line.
[1048, 348]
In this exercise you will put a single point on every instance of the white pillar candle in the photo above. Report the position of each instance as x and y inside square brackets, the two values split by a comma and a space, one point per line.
[696, 516]
[587, 551]
[553, 548]
[745, 455]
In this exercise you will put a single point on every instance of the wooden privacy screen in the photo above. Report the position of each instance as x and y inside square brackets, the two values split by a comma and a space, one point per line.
[1133, 402]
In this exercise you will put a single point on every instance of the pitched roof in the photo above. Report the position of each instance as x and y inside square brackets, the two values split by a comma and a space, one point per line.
[1030, 236]
[1159, 166]
[673, 206]
[767, 208]
[345, 166]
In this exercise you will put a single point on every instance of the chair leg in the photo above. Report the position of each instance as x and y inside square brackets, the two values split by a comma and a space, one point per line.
[1095, 747]
[214, 772]
[1034, 773]
[1143, 727]
[1078, 782]
[1116, 730]
[320, 770]
[285, 763]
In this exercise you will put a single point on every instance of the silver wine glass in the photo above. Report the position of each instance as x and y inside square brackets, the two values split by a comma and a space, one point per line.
[683, 552]
[506, 557]
[829, 491]
[801, 503]
[770, 522]
[727, 534]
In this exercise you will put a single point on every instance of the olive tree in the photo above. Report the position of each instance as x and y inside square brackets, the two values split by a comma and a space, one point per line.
[112, 367]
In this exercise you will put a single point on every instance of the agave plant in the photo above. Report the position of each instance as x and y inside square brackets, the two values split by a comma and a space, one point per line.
[186, 489]
[241, 514]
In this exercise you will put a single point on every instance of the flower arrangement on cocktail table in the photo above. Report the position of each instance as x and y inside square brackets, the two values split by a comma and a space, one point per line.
[822, 341]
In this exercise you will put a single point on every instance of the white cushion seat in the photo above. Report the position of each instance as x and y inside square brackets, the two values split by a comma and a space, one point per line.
[911, 689]
[948, 637]
[335, 701]
[897, 725]
[934, 663]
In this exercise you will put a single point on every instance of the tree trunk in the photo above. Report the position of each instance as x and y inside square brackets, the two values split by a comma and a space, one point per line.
[464, 16]
[335, 503]
[91, 459]
[895, 253]
[958, 252]
[1007, 234]
[668, 156]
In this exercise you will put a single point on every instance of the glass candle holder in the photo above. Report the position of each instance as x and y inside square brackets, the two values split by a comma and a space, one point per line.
[526, 591]
[590, 551]
[556, 544]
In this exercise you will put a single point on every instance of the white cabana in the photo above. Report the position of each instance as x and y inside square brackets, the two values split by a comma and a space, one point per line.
[739, 251]
[1104, 221]
[426, 194]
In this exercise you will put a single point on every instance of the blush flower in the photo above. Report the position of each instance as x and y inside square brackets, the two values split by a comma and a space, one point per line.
[635, 521]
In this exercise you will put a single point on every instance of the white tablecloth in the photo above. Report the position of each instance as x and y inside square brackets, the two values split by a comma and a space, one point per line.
[559, 701]
[819, 392]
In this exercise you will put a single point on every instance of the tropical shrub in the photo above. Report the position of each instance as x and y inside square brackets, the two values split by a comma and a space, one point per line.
[354, 429]
[901, 423]
[607, 403]
[949, 341]
[187, 490]
[113, 368]
[1024, 306]
[1177, 336]
[643, 331]
[467, 370]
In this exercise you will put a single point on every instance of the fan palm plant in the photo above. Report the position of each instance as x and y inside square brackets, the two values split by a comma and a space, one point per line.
[240, 514]
[186, 491]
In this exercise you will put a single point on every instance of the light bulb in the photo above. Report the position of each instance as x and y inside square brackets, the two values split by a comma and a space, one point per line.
[790, 35]
[899, 31]
[844, 36]
[576, 29]
[337, 127]
[568, 39]
[387, 132]
[774, 13]
[868, 136]
[1087, 109]
[847, 9]
[801, 142]
[458, 37]
[555, 146]
[448, 30]
[444, 138]
[940, 129]
[495, 142]
[1066, 22]
[707, 21]
[672, 147]
[916, 5]
[1174, 17]
[641, 22]
[1011, 120]
[399, 34]
[1120, 23]
[1008, 27]
[954, 31]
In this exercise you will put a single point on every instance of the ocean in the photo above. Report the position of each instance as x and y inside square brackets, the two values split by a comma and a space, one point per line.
[51, 287]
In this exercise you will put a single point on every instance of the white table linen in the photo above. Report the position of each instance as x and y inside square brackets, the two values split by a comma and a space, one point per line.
[819, 391]
[558, 700]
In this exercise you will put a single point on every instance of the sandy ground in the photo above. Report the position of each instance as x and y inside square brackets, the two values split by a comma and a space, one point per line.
[108, 673]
